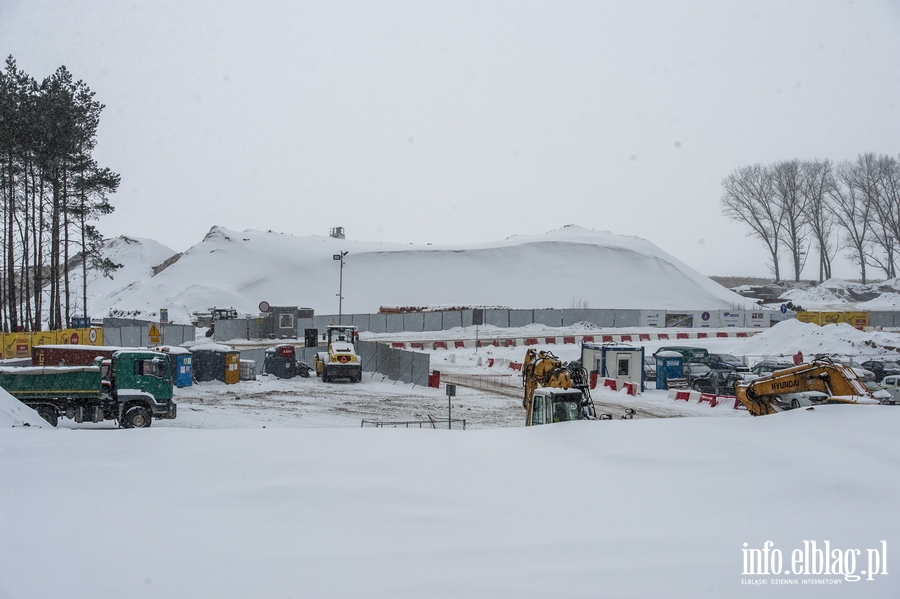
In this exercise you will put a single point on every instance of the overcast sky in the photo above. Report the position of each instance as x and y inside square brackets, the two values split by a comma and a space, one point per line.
[459, 122]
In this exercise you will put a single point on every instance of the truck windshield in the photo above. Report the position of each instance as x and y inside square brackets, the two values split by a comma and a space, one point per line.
[566, 410]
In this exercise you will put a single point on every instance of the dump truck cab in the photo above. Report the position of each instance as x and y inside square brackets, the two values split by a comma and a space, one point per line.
[141, 383]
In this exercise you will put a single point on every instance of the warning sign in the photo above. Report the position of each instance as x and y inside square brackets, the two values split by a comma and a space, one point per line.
[155, 336]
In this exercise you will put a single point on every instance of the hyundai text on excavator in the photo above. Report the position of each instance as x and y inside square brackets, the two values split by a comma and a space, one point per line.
[341, 360]
[554, 391]
[839, 382]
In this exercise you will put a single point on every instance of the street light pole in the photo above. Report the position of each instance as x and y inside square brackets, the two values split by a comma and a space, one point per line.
[340, 293]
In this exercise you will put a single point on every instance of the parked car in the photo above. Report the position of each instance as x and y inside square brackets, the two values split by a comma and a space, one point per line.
[802, 399]
[891, 384]
[694, 371]
[719, 382]
[882, 395]
[727, 362]
[882, 368]
[767, 367]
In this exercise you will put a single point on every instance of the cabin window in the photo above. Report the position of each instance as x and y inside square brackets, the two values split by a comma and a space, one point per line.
[154, 367]
[537, 410]
[286, 321]
[624, 367]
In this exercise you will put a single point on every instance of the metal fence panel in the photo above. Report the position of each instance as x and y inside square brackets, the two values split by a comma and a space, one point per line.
[626, 318]
[133, 336]
[368, 353]
[405, 365]
[466, 316]
[604, 317]
[176, 334]
[421, 369]
[550, 318]
[881, 319]
[394, 323]
[497, 318]
[231, 329]
[433, 321]
[451, 319]
[378, 323]
[521, 318]
[360, 321]
[570, 317]
[414, 321]
[321, 322]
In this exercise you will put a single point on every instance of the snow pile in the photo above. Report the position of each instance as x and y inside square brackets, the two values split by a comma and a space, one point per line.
[567, 267]
[14, 413]
[790, 336]
[838, 294]
[641, 508]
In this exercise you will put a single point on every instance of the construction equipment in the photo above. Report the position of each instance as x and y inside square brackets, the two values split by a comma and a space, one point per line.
[341, 360]
[139, 389]
[554, 391]
[839, 382]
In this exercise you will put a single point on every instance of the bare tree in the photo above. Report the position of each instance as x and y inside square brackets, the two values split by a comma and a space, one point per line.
[867, 173]
[792, 204]
[888, 192]
[750, 198]
[854, 213]
[817, 178]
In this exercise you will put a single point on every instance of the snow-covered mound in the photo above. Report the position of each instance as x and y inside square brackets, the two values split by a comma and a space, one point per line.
[568, 267]
[137, 257]
[838, 294]
[790, 336]
[14, 413]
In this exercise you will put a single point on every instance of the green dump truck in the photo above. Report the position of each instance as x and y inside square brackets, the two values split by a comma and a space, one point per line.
[139, 389]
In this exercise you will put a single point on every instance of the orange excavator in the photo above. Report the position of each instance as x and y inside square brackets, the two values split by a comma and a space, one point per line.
[839, 382]
[554, 391]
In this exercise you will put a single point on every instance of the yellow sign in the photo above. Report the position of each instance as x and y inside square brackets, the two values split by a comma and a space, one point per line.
[18, 345]
[155, 336]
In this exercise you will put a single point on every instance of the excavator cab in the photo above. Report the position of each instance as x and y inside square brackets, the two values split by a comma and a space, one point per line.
[549, 405]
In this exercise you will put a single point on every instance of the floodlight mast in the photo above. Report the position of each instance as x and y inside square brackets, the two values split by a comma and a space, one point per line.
[340, 293]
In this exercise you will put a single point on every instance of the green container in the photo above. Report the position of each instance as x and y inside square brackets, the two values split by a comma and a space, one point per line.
[52, 382]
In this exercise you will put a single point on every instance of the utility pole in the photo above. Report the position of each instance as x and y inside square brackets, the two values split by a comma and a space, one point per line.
[340, 293]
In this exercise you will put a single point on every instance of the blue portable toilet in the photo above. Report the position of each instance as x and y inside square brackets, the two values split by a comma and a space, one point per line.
[669, 365]
[184, 372]
[180, 360]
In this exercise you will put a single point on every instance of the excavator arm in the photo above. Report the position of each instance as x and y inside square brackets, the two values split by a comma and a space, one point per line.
[544, 369]
[839, 382]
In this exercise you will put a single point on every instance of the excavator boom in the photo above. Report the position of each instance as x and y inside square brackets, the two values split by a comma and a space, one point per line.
[839, 382]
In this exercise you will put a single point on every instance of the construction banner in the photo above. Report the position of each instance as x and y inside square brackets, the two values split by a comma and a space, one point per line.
[18, 345]
[859, 320]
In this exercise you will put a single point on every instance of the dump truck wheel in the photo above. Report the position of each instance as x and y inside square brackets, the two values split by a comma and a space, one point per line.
[136, 417]
[49, 414]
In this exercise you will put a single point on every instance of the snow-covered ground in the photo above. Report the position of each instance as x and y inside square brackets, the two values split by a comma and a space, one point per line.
[271, 488]
[640, 508]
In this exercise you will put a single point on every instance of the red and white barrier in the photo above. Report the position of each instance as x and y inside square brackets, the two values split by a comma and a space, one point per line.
[710, 398]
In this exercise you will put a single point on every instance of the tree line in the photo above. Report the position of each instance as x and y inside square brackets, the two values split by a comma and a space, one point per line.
[798, 207]
[51, 189]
